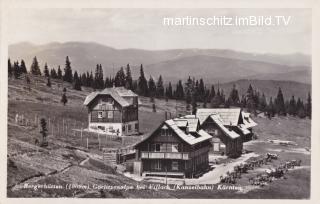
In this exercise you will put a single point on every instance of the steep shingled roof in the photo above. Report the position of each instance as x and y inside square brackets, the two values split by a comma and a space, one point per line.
[247, 121]
[189, 138]
[229, 116]
[230, 133]
[117, 93]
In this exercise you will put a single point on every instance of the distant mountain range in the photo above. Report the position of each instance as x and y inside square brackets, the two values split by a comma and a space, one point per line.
[211, 64]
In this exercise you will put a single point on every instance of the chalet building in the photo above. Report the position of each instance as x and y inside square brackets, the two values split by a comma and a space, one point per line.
[229, 127]
[113, 111]
[177, 148]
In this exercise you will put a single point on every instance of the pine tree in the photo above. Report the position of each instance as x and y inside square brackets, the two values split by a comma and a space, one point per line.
[16, 70]
[270, 109]
[142, 83]
[49, 82]
[292, 108]
[67, 71]
[46, 70]
[59, 73]
[160, 88]
[23, 67]
[64, 99]
[35, 69]
[262, 103]
[152, 87]
[279, 103]
[250, 101]
[301, 112]
[212, 93]
[233, 99]
[53, 74]
[179, 93]
[120, 78]
[44, 132]
[309, 106]
[201, 92]
[128, 78]
[169, 91]
[77, 84]
[9, 68]
[194, 103]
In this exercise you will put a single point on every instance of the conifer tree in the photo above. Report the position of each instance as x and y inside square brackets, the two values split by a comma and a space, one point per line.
[142, 83]
[9, 68]
[59, 73]
[44, 132]
[179, 93]
[152, 87]
[23, 67]
[16, 70]
[120, 78]
[309, 106]
[301, 112]
[35, 69]
[128, 84]
[233, 99]
[53, 73]
[160, 88]
[67, 71]
[46, 70]
[279, 103]
[262, 103]
[292, 108]
[250, 101]
[169, 91]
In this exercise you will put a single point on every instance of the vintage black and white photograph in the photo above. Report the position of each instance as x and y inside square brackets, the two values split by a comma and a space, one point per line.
[192, 103]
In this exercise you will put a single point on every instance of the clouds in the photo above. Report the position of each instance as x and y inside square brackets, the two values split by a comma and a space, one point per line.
[142, 28]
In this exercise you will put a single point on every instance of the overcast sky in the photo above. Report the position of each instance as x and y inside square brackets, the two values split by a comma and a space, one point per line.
[143, 28]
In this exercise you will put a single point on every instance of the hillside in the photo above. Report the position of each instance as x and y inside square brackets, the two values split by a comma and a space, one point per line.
[269, 88]
[67, 160]
[211, 64]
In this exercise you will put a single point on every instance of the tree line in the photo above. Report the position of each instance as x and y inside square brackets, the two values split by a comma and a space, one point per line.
[194, 92]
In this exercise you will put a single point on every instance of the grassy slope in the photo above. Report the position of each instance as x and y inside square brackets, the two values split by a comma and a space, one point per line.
[44, 101]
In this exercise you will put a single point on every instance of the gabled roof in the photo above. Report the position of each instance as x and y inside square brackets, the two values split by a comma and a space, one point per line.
[189, 138]
[119, 94]
[247, 121]
[192, 122]
[230, 133]
[229, 116]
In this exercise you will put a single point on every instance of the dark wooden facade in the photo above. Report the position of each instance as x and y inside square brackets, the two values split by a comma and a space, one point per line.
[233, 146]
[165, 153]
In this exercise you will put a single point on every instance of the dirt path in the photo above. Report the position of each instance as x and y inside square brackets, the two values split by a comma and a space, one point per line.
[213, 177]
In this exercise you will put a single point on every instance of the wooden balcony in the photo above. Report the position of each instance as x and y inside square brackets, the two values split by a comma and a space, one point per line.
[165, 155]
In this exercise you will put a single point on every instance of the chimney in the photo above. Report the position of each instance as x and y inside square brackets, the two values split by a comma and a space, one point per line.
[187, 130]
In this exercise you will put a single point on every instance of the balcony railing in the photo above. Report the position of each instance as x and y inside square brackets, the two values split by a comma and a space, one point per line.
[165, 155]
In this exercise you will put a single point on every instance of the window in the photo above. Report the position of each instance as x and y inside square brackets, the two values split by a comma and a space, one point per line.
[100, 114]
[175, 148]
[175, 166]
[216, 132]
[129, 127]
[136, 126]
[156, 165]
[166, 132]
[103, 106]
[123, 128]
[110, 114]
[155, 147]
